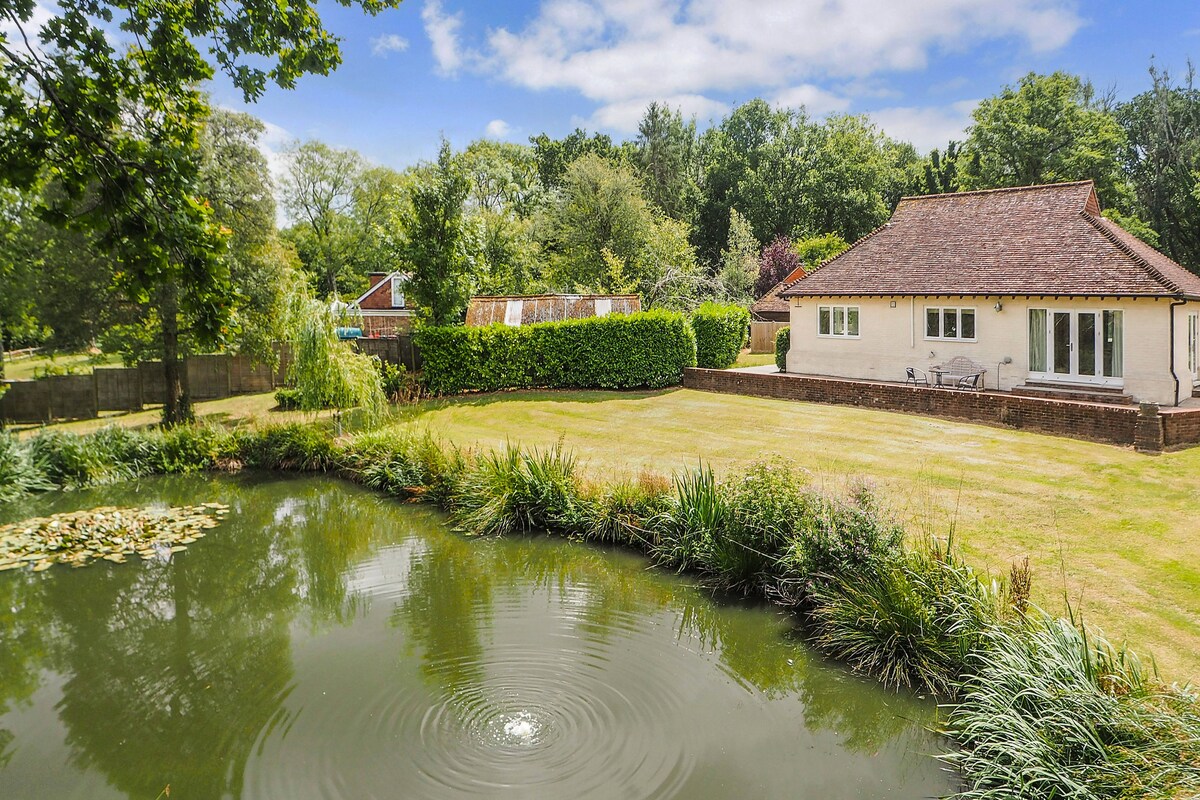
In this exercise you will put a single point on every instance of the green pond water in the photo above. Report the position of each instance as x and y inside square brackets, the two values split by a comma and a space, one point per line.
[325, 642]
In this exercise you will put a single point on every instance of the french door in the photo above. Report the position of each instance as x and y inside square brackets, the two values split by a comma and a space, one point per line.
[1193, 339]
[1076, 346]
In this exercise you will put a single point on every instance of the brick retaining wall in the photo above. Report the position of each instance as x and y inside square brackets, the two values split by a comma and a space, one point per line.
[1146, 428]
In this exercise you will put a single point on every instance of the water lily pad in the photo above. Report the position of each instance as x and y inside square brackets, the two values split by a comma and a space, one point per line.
[79, 537]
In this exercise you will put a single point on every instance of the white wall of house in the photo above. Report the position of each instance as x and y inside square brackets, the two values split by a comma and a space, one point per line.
[892, 336]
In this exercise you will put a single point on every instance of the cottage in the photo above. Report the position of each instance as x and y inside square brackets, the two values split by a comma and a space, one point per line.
[1031, 283]
[771, 307]
[527, 309]
[384, 308]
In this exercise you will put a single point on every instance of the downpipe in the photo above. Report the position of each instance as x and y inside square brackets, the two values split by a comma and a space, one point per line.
[1174, 305]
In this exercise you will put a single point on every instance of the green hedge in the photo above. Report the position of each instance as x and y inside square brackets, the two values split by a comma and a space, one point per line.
[648, 349]
[783, 342]
[720, 334]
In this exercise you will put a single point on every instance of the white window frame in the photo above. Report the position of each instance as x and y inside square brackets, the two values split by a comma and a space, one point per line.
[1074, 376]
[833, 310]
[1193, 345]
[941, 312]
[397, 291]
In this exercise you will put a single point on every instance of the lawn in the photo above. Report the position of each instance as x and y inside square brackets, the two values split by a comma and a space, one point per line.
[1114, 531]
[748, 359]
[73, 363]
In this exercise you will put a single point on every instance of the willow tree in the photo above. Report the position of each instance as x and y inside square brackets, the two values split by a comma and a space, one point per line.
[325, 371]
[103, 98]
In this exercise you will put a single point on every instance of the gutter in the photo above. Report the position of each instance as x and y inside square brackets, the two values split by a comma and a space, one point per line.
[1174, 304]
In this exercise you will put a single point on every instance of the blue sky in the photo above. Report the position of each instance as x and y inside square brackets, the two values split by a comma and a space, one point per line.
[509, 70]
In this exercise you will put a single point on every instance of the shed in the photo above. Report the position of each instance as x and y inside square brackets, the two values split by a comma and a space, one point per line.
[528, 309]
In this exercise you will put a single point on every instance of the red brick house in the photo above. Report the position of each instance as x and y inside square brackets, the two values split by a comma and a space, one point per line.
[384, 308]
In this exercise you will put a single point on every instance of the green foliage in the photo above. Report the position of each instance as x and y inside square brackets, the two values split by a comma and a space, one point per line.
[518, 490]
[666, 159]
[434, 246]
[816, 250]
[648, 349]
[915, 620]
[195, 448]
[1046, 129]
[720, 334]
[288, 398]
[1053, 711]
[553, 156]
[1161, 161]
[783, 343]
[293, 447]
[739, 261]
[325, 371]
[19, 472]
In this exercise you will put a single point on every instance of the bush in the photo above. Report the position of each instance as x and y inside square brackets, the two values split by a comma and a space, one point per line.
[720, 334]
[406, 464]
[783, 343]
[644, 350]
[287, 399]
[195, 448]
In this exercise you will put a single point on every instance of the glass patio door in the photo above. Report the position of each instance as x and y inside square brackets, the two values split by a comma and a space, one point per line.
[1193, 339]
[1076, 346]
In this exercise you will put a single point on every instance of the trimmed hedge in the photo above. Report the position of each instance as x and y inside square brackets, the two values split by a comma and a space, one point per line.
[649, 349]
[783, 343]
[720, 334]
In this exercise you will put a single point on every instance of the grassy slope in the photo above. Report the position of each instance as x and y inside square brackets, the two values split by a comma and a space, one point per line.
[1118, 530]
[80, 363]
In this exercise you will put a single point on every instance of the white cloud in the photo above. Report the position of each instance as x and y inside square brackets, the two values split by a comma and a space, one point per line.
[620, 53]
[926, 127]
[37, 19]
[624, 116]
[442, 30]
[497, 129]
[388, 43]
[272, 143]
[816, 101]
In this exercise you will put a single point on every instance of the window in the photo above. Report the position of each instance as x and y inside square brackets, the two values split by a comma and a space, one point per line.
[950, 323]
[837, 321]
[397, 292]
[1193, 337]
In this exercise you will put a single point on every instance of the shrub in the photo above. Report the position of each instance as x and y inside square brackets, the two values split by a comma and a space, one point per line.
[720, 334]
[643, 350]
[195, 448]
[404, 463]
[766, 502]
[698, 511]
[67, 460]
[399, 385]
[287, 398]
[621, 512]
[783, 343]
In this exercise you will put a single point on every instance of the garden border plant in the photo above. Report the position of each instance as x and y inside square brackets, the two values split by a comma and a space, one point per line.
[721, 333]
[1037, 707]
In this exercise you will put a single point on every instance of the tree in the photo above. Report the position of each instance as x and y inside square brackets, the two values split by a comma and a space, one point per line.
[666, 157]
[599, 210]
[778, 261]
[435, 247]
[816, 250]
[1048, 128]
[116, 119]
[317, 192]
[940, 171]
[1162, 162]
[504, 177]
[739, 261]
[553, 156]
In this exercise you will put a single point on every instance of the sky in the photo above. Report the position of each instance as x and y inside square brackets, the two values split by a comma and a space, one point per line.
[469, 69]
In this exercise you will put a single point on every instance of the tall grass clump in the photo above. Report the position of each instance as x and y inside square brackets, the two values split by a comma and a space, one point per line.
[914, 621]
[19, 472]
[519, 490]
[405, 463]
[697, 511]
[621, 512]
[1053, 711]
[73, 462]
[293, 447]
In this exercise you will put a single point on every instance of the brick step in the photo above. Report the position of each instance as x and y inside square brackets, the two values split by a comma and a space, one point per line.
[1084, 394]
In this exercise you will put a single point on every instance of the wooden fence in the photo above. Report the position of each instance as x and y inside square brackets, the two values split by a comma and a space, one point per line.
[206, 377]
[762, 336]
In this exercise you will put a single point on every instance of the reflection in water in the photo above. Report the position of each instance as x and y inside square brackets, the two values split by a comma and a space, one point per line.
[324, 642]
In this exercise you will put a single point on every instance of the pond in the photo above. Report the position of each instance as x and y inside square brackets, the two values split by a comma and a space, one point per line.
[325, 642]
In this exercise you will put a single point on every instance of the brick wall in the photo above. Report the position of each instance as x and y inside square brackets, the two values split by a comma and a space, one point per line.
[1094, 421]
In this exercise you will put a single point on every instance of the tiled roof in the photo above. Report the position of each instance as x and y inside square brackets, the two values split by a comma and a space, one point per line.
[771, 302]
[1034, 240]
[486, 310]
